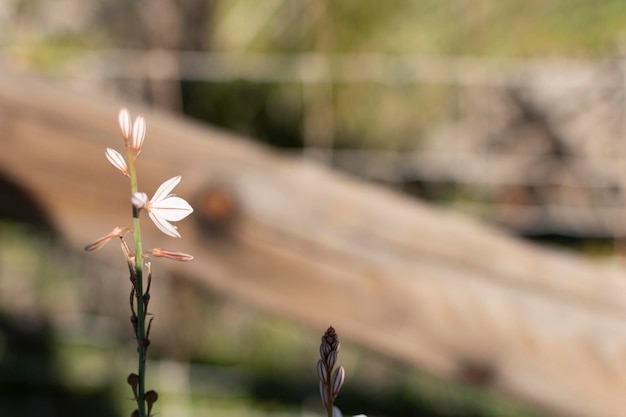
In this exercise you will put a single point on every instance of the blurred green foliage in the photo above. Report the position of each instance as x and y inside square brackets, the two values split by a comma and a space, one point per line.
[391, 117]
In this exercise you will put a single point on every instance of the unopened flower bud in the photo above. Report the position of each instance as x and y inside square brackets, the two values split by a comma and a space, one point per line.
[117, 160]
[337, 380]
[139, 133]
[125, 123]
[139, 200]
[322, 371]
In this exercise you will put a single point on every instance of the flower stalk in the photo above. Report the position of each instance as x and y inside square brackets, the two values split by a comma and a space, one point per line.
[162, 209]
[140, 327]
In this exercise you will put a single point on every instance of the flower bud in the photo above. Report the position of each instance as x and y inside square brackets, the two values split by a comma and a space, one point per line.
[139, 134]
[337, 380]
[125, 123]
[322, 371]
[117, 160]
[139, 200]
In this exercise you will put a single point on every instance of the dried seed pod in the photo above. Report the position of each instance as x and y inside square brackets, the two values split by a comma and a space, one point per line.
[133, 380]
[151, 397]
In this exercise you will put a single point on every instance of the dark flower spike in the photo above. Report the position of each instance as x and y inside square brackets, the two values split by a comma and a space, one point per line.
[330, 380]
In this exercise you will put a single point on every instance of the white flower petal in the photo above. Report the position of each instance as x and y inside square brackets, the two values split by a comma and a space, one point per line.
[164, 189]
[139, 134]
[172, 208]
[163, 225]
[117, 160]
[164, 207]
[125, 124]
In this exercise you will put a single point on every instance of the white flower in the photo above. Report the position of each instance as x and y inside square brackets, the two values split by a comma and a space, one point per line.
[117, 160]
[164, 207]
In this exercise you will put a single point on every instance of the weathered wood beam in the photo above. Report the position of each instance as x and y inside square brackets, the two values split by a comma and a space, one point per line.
[432, 288]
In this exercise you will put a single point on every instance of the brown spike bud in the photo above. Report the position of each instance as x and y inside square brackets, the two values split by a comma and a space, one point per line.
[331, 359]
[337, 380]
[330, 335]
[322, 371]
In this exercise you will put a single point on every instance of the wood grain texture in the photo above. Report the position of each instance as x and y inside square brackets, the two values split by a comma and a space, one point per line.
[432, 288]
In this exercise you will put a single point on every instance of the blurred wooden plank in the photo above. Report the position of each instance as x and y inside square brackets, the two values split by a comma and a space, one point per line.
[431, 288]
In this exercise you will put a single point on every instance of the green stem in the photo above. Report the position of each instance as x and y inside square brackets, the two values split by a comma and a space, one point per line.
[141, 313]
